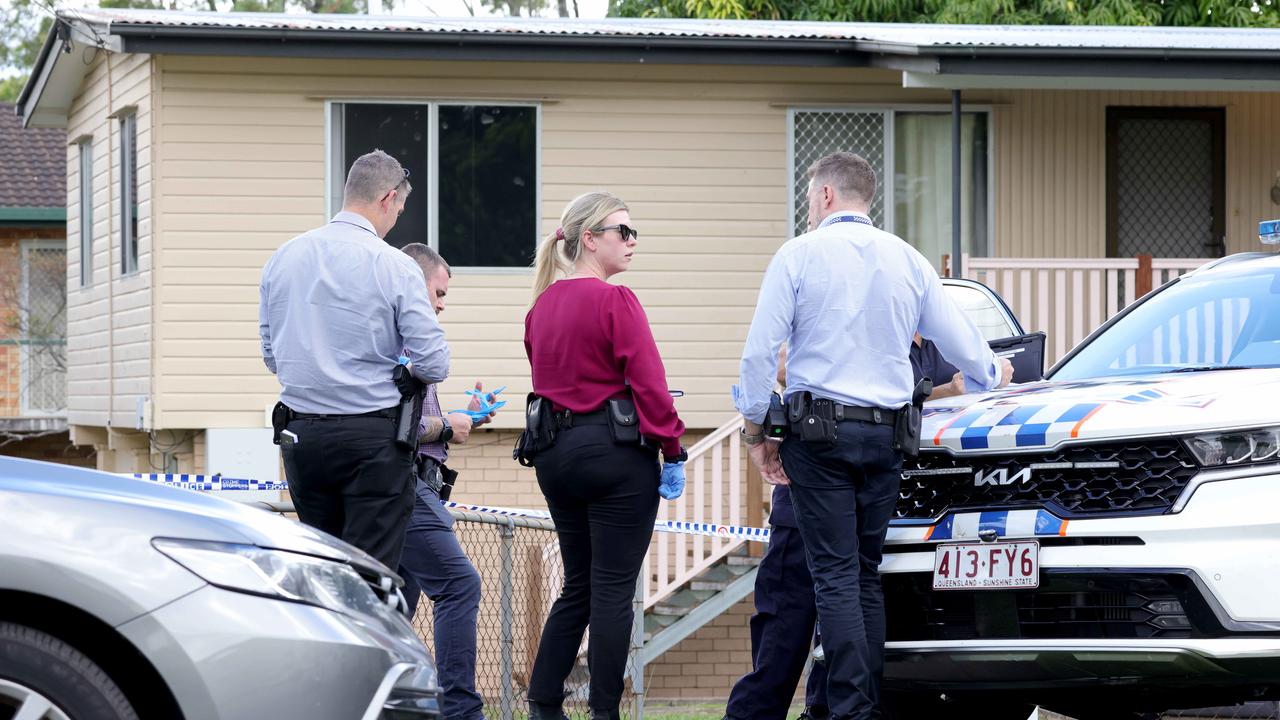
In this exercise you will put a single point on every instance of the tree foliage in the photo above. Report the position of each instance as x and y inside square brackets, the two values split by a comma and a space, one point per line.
[1218, 13]
[27, 22]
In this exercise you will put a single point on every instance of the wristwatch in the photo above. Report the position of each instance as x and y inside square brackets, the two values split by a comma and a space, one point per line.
[446, 432]
[752, 439]
[682, 457]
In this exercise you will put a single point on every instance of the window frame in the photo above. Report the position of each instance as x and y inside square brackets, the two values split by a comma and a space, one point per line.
[335, 173]
[128, 194]
[887, 189]
[85, 200]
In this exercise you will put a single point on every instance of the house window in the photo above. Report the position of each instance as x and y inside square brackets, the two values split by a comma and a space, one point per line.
[474, 174]
[913, 149]
[86, 212]
[128, 194]
[43, 316]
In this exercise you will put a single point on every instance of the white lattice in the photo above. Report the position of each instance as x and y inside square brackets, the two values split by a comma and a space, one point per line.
[818, 133]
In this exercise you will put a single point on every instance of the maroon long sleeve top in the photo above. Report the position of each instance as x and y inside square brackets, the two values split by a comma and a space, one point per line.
[587, 341]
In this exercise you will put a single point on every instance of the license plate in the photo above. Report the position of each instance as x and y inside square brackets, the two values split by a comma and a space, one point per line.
[986, 566]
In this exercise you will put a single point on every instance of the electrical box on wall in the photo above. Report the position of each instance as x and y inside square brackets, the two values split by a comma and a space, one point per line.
[243, 453]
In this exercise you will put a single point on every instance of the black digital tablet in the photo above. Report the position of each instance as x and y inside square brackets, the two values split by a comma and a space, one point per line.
[1026, 352]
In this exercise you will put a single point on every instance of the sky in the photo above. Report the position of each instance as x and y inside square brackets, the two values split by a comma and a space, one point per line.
[404, 8]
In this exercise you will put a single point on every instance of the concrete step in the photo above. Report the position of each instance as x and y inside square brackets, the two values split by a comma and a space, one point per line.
[682, 602]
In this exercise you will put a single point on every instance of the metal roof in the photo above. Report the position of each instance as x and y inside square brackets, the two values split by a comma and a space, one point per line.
[904, 36]
[929, 56]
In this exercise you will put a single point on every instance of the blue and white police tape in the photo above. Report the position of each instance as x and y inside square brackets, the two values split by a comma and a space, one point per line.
[667, 526]
[206, 483]
[218, 483]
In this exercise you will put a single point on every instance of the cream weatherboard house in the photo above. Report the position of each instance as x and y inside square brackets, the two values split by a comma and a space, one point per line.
[199, 142]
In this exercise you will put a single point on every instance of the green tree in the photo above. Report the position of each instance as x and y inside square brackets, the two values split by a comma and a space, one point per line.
[27, 22]
[1220, 13]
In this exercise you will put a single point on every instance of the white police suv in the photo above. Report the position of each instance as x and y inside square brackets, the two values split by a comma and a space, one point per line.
[1105, 542]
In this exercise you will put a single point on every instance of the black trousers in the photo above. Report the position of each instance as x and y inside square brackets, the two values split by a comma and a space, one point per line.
[781, 635]
[844, 493]
[603, 498]
[348, 478]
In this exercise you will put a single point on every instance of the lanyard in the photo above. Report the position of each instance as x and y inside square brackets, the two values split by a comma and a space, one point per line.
[847, 218]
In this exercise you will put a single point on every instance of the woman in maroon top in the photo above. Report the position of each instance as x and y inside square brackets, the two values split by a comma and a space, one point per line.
[589, 341]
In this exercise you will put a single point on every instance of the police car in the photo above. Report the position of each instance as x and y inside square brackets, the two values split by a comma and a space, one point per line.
[1104, 542]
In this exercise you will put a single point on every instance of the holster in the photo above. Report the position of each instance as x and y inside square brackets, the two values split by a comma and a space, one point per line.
[906, 429]
[280, 417]
[812, 419]
[624, 422]
[539, 430]
[409, 416]
[447, 478]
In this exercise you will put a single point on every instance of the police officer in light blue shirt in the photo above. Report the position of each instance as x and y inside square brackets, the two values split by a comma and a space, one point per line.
[847, 299]
[337, 307]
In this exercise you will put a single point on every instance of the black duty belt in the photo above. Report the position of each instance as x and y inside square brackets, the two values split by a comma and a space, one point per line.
[568, 418]
[864, 414]
[391, 412]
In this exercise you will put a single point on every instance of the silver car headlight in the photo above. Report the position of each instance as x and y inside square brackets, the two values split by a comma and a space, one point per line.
[1236, 447]
[275, 573]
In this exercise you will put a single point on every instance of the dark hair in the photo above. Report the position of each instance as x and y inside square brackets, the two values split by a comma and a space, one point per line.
[426, 257]
[852, 176]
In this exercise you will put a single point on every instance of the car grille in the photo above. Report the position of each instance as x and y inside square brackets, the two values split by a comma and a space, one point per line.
[1146, 478]
[1065, 606]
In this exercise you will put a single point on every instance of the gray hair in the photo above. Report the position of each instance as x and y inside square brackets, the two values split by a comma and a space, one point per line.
[372, 176]
[427, 258]
[850, 175]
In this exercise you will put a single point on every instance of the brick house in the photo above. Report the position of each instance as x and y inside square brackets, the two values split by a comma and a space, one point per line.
[33, 214]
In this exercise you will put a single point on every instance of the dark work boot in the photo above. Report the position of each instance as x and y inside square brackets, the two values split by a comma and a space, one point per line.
[814, 713]
[538, 711]
[605, 714]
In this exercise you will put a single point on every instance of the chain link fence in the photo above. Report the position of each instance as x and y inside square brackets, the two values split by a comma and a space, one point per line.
[521, 574]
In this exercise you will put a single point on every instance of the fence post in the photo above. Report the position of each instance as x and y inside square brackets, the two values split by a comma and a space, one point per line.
[1143, 279]
[637, 646]
[755, 506]
[507, 533]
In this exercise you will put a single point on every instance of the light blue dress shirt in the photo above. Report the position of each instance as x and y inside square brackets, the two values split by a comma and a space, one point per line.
[337, 307]
[847, 299]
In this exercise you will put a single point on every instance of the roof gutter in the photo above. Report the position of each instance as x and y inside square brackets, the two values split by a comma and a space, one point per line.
[485, 46]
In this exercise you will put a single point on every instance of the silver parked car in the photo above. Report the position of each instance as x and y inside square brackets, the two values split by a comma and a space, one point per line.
[124, 599]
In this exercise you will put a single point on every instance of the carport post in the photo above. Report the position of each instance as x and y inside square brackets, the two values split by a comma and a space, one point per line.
[956, 249]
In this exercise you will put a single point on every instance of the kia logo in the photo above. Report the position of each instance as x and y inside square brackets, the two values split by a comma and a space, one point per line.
[1001, 476]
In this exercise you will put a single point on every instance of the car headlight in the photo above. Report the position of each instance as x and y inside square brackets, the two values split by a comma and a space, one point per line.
[1236, 447]
[275, 573]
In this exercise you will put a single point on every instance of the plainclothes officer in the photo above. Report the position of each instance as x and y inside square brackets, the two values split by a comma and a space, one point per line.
[786, 609]
[433, 561]
[589, 344]
[338, 306]
[847, 299]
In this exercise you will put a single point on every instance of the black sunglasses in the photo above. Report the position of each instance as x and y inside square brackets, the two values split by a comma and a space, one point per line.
[628, 232]
[397, 187]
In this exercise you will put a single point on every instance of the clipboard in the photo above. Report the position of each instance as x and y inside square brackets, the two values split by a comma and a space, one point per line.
[1025, 352]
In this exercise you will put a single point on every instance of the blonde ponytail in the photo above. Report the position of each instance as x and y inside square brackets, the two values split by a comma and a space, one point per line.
[561, 249]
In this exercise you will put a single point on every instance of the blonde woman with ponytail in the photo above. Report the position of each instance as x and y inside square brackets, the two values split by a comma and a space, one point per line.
[589, 342]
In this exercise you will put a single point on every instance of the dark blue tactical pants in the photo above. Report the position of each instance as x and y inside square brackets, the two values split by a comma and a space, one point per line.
[844, 494]
[781, 634]
[434, 563]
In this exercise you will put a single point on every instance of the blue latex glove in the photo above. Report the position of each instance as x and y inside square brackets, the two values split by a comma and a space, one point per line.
[672, 484]
[485, 406]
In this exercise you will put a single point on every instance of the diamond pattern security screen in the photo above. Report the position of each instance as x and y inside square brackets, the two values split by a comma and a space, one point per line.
[1165, 194]
[819, 133]
[44, 328]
